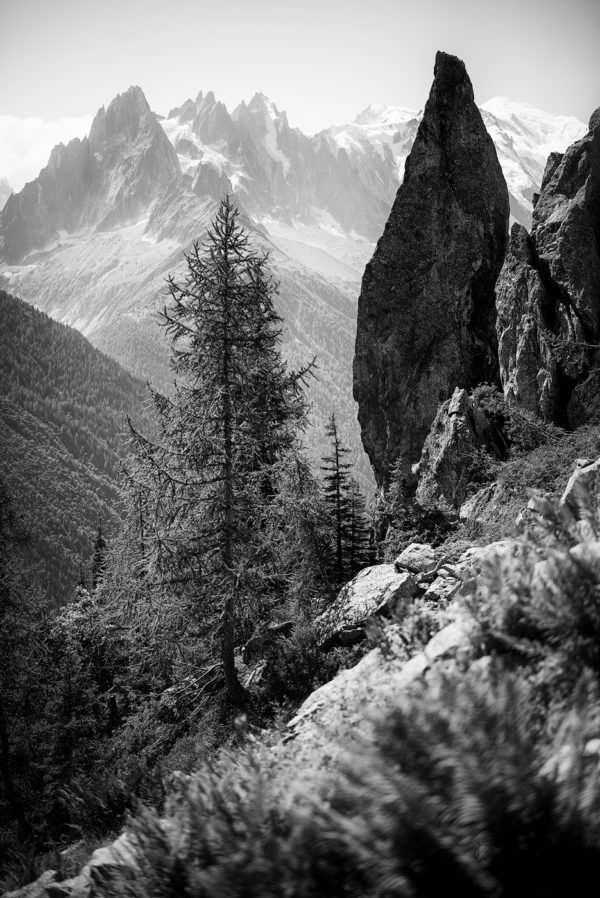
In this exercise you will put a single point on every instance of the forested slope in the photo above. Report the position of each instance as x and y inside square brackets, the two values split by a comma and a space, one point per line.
[63, 408]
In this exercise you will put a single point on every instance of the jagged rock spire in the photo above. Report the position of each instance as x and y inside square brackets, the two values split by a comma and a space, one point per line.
[426, 311]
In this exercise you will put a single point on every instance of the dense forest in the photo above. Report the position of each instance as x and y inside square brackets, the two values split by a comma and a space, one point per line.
[63, 420]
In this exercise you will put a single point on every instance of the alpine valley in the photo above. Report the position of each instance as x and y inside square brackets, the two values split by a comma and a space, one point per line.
[91, 240]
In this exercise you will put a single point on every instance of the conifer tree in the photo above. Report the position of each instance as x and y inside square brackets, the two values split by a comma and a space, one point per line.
[346, 508]
[359, 536]
[227, 434]
[336, 480]
[98, 558]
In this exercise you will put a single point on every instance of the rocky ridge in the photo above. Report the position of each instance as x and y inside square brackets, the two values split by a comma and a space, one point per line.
[426, 312]
[548, 292]
[109, 178]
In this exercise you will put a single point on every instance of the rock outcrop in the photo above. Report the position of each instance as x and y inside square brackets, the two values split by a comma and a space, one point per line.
[334, 715]
[460, 432]
[581, 498]
[106, 179]
[548, 293]
[375, 590]
[426, 314]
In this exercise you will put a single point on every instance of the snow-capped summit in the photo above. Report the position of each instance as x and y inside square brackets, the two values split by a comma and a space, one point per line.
[378, 127]
[384, 116]
[524, 137]
[546, 131]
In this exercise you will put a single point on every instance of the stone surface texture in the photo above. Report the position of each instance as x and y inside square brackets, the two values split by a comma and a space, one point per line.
[581, 499]
[461, 430]
[346, 709]
[548, 293]
[418, 558]
[375, 590]
[426, 313]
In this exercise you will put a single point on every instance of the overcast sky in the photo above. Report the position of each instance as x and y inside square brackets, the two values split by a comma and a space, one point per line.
[320, 60]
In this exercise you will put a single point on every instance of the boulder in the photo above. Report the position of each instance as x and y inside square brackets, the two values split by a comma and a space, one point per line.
[461, 429]
[118, 857]
[548, 293]
[44, 886]
[418, 558]
[426, 312]
[375, 590]
[581, 498]
[443, 589]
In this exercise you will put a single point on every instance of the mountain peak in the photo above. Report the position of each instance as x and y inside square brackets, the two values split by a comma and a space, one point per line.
[126, 115]
[450, 76]
[261, 103]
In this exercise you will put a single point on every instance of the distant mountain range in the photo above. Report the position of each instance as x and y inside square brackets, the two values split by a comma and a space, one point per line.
[91, 240]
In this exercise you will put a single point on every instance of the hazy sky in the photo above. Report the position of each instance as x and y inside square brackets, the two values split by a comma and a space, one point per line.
[321, 60]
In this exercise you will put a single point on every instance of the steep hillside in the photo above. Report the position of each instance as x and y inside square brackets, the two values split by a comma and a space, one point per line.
[63, 408]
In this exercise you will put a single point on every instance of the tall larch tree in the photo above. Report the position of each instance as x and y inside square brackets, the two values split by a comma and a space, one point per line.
[226, 435]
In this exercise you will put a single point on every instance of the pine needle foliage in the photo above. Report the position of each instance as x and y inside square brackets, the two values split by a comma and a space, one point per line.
[456, 799]
[228, 438]
[351, 532]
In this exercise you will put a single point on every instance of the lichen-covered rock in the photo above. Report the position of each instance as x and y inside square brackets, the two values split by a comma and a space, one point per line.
[375, 590]
[461, 430]
[426, 314]
[548, 293]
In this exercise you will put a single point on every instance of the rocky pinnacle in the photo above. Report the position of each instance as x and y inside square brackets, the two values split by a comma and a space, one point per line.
[549, 293]
[426, 312]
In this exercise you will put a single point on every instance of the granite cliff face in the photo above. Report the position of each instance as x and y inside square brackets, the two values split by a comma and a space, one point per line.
[104, 180]
[426, 314]
[549, 292]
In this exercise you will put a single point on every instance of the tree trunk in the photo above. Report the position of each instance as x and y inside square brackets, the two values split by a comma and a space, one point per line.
[235, 691]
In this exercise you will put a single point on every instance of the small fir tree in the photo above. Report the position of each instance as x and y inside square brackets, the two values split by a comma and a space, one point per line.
[346, 509]
[98, 558]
